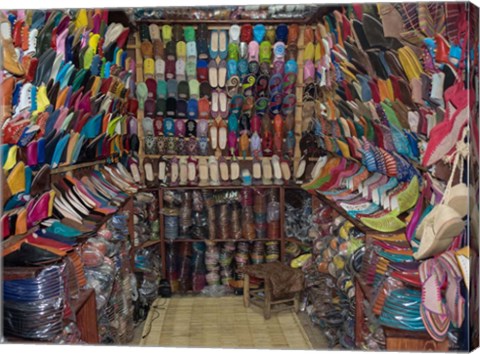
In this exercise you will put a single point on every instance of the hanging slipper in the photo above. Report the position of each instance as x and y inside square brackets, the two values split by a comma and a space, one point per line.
[248, 85]
[275, 104]
[261, 89]
[265, 69]
[213, 73]
[261, 106]
[236, 104]
[215, 105]
[233, 85]
[232, 143]
[244, 124]
[253, 67]
[289, 81]
[242, 68]
[223, 104]
[222, 73]
[248, 105]
[275, 84]
[279, 67]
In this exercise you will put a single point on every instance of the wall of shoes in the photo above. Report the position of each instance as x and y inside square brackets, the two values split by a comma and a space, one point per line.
[393, 149]
[158, 146]
[215, 97]
[66, 128]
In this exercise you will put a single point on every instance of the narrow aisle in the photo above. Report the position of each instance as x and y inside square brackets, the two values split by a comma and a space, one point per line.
[224, 323]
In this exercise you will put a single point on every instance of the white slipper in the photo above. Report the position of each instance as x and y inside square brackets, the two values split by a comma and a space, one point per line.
[256, 171]
[183, 171]
[135, 172]
[267, 172]
[223, 170]
[215, 109]
[162, 171]
[234, 33]
[213, 167]
[213, 135]
[277, 171]
[222, 135]
[192, 171]
[174, 172]
[148, 168]
[301, 171]
[317, 169]
[234, 170]
[203, 171]
[286, 173]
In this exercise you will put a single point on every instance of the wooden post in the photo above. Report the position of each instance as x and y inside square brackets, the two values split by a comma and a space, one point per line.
[246, 290]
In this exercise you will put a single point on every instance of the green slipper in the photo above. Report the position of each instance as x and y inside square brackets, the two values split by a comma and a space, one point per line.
[265, 52]
[194, 86]
[191, 68]
[142, 93]
[189, 33]
[161, 89]
[233, 51]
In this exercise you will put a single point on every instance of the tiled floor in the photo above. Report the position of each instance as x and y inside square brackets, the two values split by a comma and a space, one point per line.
[224, 323]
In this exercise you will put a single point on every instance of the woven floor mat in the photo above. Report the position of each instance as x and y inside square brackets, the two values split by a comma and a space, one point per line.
[220, 323]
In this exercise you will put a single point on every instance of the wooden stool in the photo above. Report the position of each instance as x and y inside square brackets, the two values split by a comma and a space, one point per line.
[267, 300]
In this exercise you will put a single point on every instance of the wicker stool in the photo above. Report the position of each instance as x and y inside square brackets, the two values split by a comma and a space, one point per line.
[282, 285]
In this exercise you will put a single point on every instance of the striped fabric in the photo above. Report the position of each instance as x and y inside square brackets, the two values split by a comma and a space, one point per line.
[425, 20]
[437, 11]
[452, 20]
[410, 13]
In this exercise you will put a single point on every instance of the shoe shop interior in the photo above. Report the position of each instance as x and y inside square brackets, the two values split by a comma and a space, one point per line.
[253, 177]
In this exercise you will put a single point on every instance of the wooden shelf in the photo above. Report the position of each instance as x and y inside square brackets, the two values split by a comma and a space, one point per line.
[219, 240]
[342, 212]
[227, 22]
[63, 169]
[147, 244]
[366, 289]
[228, 158]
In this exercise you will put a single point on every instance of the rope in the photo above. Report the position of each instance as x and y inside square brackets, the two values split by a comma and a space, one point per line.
[460, 155]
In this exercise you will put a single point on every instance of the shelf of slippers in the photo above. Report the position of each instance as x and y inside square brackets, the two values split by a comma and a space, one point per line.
[222, 240]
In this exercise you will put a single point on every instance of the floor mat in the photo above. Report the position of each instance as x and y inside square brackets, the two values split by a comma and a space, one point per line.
[220, 323]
